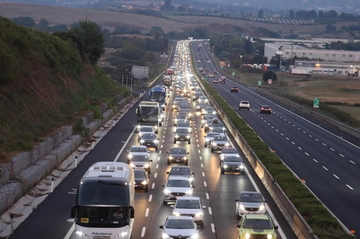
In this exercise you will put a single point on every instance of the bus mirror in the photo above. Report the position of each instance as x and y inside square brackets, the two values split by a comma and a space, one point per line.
[73, 209]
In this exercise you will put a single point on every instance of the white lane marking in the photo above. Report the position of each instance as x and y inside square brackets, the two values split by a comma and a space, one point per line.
[299, 148]
[205, 184]
[200, 158]
[349, 187]
[287, 138]
[307, 154]
[157, 166]
[152, 185]
[198, 145]
[336, 176]
[207, 195]
[155, 175]
[210, 211]
[143, 231]
[310, 135]
[316, 140]
[147, 212]
[324, 144]
[203, 174]
[212, 227]
[342, 155]
[332, 149]
[150, 197]
[202, 165]
[315, 161]
[351, 161]
[199, 151]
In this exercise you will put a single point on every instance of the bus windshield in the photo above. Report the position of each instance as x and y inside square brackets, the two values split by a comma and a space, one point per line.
[149, 113]
[103, 216]
[158, 96]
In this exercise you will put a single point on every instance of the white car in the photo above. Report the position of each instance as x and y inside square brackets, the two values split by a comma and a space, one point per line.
[190, 205]
[145, 129]
[244, 104]
[138, 150]
[219, 142]
[179, 227]
[226, 152]
[209, 137]
[175, 187]
[250, 202]
[185, 125]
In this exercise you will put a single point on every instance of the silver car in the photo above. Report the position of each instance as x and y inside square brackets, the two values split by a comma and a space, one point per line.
[250, 202]
[190, 206]
[219, 142]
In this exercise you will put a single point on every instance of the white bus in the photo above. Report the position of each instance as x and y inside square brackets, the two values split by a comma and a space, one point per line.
[104, 206]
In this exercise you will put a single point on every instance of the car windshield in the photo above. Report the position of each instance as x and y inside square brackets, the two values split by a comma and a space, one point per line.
[257, 224]
[245, 102]
[182, 131]
[183, 125]
[180, 171]
[139, 174]
[181, 116]
[219, 138]
[251, 197]
[177, 151]
[180, 224]
[149, 136]
[232, 159]
[140, 159]
[209, 135]
[189, 204]
[229, 151]
[138, 149]
[178, 183]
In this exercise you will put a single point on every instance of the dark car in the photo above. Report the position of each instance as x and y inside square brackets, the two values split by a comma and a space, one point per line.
[150, 141]
[177, 155]
[232, 164]
[234, 89]
[265, 109]
[183, 171]
[182, 135]
[141, 179]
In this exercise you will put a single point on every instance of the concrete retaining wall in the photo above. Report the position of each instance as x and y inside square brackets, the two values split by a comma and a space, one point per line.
[28, 168]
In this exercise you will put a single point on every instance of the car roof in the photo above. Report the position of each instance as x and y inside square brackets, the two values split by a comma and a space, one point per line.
[188, 198]
[180, 217]
[176, 177]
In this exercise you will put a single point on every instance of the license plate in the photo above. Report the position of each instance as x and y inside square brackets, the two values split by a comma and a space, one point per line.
[178, 160]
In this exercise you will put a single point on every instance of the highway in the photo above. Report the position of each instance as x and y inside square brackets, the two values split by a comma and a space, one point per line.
[325, 157]
[218, 192]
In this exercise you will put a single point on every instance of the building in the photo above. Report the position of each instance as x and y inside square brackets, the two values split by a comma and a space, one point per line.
[140, 72]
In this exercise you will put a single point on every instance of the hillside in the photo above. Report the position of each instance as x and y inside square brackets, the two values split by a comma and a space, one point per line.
[44, 84]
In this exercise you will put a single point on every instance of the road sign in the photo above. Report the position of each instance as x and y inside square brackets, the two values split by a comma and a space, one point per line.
[259, 83]
[316, 103]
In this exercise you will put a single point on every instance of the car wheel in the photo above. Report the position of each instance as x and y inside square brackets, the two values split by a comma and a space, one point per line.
[201, 224]
[147, 189]
[186, 163]
[222, 171]
[165, 203]
[168, 162]
[174, 141]
[238, 216]
[189, 142]
[239, 108]
[212, 150]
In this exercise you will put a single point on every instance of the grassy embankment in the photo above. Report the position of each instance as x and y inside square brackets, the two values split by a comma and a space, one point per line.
[44, 84]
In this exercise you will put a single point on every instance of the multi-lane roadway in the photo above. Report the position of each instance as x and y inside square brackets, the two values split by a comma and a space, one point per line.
[324, 156]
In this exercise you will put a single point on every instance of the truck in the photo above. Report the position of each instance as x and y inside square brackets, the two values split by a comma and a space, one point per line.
[159, 94]
[167, 80]
[149, 113]
[300, 71]
[104, 206]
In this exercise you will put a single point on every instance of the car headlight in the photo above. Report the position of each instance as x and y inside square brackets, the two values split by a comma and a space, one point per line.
[222, 156]
[241, 207]
[176, 136]
[262, 207]
[164, 235]
[132, 165]
[144, 182]
[225, 166]
[146, 165]
[214, 112]
[247, 235]
[223, 128]
[167, 191]
[227, 144]
[195, 236]
[187, 136]
[207, 140]
[211, 128]
[185, 158]
[214, 144]
[176, 120]
[269, 236]
[138, 127]
[80, 233]
[130, 156]
[176, 214]
[142, 141]
[189, 192]
[199, 214]
[242, 166]
[140, 134]
[156, 141]
[170, 157]
[155, 127]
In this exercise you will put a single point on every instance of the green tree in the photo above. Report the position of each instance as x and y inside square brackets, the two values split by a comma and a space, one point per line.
[24, 21]
[269, 75]
[156, 31]
[88, 39]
